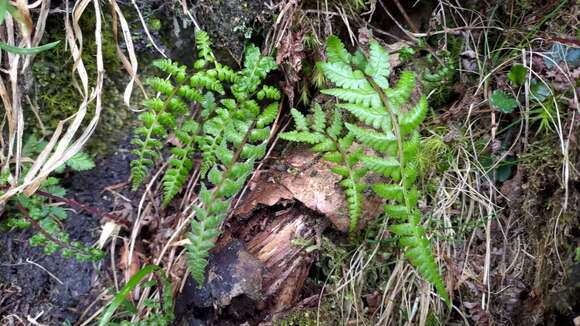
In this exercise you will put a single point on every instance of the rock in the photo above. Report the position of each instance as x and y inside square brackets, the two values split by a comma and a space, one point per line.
[232, 272]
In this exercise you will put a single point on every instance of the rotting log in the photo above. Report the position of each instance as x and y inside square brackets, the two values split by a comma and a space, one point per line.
[257, 271]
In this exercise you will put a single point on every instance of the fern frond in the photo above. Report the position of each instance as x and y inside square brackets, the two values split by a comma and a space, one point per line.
[269, 115]
[400, 95]
[202, 79]
[385, 166]
[384, 126]
[203, 45]
[409, 121]
[299, 119]
[378, 141]
[230, 134]
[342, 75]
[378, 64]
[302, 137]
[365, 96]
[160, 85]
[268, 92]
[335, 50]
[176, 176]
[389, 191]
[319, 121]
[375, 117]
[203, 233]
[419, 252]
[354, 197]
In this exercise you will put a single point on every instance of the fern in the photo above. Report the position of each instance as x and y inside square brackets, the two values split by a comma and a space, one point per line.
[222, 114]
[335, 142]
[44, 218]
[380, 118]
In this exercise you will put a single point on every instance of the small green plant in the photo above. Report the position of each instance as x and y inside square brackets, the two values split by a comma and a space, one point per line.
[373, 129]
[45, 218]
[228, 126]
[162, 305]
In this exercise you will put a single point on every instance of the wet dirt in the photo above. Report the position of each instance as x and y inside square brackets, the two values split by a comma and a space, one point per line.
[52, 289]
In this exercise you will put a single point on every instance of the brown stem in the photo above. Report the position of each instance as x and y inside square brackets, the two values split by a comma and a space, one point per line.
[39, 228]
[91, 210]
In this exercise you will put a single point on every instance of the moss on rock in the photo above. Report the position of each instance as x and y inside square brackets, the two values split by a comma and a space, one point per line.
[54, 93]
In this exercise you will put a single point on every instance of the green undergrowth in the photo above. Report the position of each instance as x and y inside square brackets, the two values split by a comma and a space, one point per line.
[43, 217]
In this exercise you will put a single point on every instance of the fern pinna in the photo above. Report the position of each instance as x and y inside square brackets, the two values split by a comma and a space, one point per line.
[380, 136]
[219, 114]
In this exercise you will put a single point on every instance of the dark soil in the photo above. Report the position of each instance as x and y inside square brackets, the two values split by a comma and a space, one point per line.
[29, 290]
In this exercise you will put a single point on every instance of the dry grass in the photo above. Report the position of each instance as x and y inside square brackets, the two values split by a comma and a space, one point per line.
[72, 133]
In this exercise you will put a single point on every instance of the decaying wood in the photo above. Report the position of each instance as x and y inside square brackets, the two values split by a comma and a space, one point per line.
[304, 177]
[260, 261]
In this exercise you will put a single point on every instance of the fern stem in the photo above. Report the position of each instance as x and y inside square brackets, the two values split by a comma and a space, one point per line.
[235, 158]
[397, 132]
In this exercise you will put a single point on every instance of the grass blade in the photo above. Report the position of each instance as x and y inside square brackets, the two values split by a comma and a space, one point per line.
[122, 295]
[27, 51]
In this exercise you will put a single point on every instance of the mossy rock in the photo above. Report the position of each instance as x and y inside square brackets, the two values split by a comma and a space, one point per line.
[56, 97]
[231, 23]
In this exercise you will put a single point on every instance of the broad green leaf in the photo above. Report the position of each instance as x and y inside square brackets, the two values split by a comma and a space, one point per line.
[124, 293]
[503, 102]
[517, 75]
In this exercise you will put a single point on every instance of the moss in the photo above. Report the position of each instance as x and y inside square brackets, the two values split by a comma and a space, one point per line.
[57, 98]
[298, 318]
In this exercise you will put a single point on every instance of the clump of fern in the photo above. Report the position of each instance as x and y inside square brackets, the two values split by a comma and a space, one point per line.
[220, 114]
[380, 136]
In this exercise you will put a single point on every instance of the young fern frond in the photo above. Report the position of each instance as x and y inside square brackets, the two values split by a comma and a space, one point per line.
[222, 113]
[381, 119]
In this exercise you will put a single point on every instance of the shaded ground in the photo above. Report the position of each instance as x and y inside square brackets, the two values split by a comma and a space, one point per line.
[26, 285]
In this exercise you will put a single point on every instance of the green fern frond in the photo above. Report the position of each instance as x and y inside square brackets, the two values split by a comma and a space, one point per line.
[354, 197]
[400, 94]
[203, 45]
[365, 96]
[268, 92]
[376, 140]
[378, 63]
[335, 51]
[378, 118]
[382, 124]
[342, 75]
[160, 85]
[409, 121]
[319, 121]
[418, 251]
[387, 166]
[177, 174]
[230, 135]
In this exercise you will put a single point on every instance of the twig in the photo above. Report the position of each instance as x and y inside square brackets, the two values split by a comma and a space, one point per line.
[39, 228]
[91, 210]
[44, 269]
